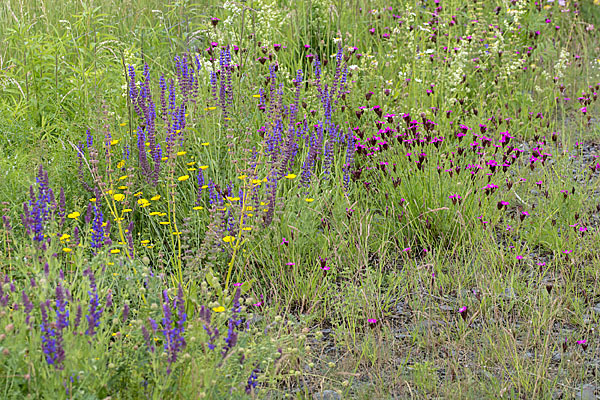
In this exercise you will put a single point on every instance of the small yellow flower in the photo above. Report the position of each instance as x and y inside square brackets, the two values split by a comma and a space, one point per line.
[290, 176]
[66, 249]
[212, 108]
[163, 214]
[228, 239]
[309, 200]
[176, 233]
[153, 213]
[183, 178]
[121, 164]
[164, 158]
[248, 228]
[147, 144]
[249, 208]
[122, 177]
[155, 198]
[219, 309]
[164, 222]
[203, 167]
[181, 153]
[138, 194]
[111, 263]
[242, 177]
[145, 241]
[115, 251]
[198, 208]
[143, 202]
[64, 237]
[233, 198]
[113, 142]
[93, 200]
[205, 144]
[191, 163]
[191, 169]
[122, 187]
[126, 210]
[256, 96]
[119, 197]
[73, 215]
[123, 124]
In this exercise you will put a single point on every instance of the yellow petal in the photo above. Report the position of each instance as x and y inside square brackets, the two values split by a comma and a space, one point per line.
[219, 309]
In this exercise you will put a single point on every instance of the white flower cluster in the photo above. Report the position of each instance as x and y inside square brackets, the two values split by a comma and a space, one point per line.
[235, 13]
[561, 64]
[269, 18]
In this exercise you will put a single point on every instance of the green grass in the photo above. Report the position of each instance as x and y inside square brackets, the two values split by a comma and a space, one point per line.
[403, 216]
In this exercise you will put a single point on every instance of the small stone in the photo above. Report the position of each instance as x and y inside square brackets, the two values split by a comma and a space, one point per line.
[587, 392]
[327, 395]
[556, 358]
[509, 293]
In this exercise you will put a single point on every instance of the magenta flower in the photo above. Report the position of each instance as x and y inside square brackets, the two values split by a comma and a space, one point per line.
[583, 343]
[372, 321]
[463, 312]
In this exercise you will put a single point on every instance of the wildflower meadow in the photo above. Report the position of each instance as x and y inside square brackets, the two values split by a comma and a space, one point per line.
[308, 199]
